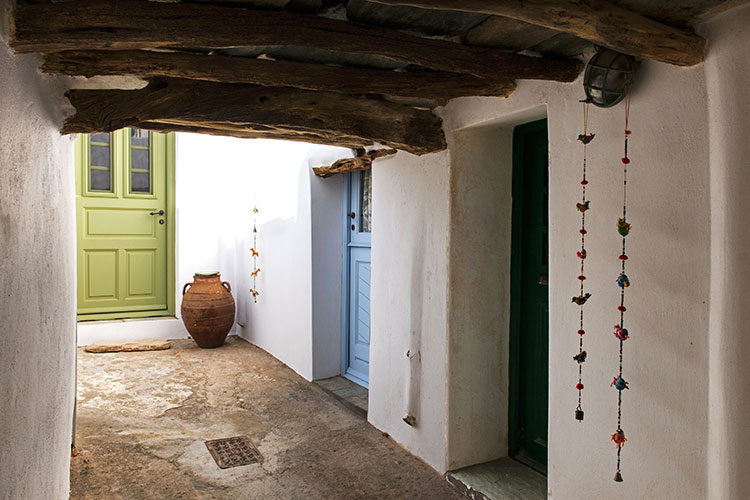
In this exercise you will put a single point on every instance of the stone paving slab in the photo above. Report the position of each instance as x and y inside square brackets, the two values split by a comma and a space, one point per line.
[142, 423]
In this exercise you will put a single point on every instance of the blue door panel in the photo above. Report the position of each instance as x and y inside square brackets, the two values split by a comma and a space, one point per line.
[359, 316]
[358, 268]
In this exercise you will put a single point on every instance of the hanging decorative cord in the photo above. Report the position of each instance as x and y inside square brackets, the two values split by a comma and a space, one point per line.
[620, 332]
[581, 299]
[255, 255]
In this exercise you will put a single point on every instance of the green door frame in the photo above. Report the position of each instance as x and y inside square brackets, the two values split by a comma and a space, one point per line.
[170, 250]
[514, 364]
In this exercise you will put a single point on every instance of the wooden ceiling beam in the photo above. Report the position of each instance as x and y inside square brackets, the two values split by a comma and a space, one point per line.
[597, 21]
[437, 85]
[278, 112]
[138, 24]
[360, 162]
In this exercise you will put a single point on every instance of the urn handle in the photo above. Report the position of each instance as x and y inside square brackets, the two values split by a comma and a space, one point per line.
[184, 288]
[227, 286]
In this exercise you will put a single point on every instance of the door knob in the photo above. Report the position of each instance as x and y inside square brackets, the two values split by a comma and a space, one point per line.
[160, 212]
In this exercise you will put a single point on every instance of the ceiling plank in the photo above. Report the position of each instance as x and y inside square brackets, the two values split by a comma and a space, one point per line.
[138, 24]
[438, 85]
[360, 162]
[319, 117]
[597, 21]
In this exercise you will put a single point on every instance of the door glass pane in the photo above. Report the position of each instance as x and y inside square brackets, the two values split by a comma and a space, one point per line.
[140, 161]
[366, 202]
[100, 163]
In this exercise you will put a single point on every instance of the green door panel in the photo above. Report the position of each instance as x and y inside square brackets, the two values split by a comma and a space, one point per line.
[125, 254]
[529, 368]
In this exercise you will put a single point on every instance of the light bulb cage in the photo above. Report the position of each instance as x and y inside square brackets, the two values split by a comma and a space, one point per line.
[608, 77]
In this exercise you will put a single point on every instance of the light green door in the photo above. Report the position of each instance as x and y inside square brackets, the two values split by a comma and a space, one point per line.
[124, 219]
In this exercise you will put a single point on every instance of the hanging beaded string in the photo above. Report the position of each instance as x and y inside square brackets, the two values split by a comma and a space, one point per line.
[582, 207]
[255, 255]
[623, 228]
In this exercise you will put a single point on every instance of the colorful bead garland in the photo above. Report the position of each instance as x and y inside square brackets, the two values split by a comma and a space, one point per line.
[581, 299]
[620, 332]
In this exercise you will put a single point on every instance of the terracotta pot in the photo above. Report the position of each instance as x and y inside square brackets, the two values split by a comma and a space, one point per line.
[208, 309]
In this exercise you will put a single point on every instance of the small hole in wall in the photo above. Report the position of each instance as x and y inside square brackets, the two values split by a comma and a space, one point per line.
[262, 99]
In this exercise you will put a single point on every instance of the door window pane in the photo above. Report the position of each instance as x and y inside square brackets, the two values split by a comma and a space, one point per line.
[140, 161]
[366, 202]
[100, 163]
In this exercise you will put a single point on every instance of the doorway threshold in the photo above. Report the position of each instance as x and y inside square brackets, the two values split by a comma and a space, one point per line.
[351, 395]
[503, 479]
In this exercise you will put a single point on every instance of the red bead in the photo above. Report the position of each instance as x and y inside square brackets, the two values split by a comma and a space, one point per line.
[581, 332]
[627, 132]
[582, 231]
[623, 257]
[584, 182]
[582, 277]
[579, 386]
[626, 160]
[621, 308]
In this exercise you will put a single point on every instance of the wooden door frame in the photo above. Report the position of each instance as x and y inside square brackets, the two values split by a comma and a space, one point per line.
[514, 366]
[170, 251]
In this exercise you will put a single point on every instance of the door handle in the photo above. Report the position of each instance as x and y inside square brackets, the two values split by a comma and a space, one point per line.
[160, 212]
[351, 214]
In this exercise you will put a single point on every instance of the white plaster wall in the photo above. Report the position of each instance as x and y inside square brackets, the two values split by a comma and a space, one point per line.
[327, 219]
[727, 74]
[666, 359]
[299, 242]
[410, 229]
[37, 283]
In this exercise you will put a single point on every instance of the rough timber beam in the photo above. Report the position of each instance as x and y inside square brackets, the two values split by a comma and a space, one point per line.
[363, 161]
[597, 21]
[138, 24]
[233, 109]
[438, 85]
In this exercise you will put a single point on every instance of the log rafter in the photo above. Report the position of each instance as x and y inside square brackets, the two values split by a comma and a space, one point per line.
[253, 111]
[597, 21]
[363, 161]
[139, 24]
[437, 85]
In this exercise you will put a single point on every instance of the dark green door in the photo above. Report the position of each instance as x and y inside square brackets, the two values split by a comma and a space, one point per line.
[529, 365]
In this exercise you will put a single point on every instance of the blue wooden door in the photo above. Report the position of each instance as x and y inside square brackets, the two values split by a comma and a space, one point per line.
[358, 221]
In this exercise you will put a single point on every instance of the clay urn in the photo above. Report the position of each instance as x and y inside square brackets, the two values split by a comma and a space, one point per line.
[208, 309]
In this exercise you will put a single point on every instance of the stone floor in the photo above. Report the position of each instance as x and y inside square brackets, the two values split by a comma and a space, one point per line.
[352, 395]
[143, 417]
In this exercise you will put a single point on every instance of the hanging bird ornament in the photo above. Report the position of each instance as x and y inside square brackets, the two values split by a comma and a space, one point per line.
[623, 227]
[581, 254]
[581, 299]
[620, 384]
[580, 357]
[586, 138]
[623, 281]
[621, 333]
[582, 207]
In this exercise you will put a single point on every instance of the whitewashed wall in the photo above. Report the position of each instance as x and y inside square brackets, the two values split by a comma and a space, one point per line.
[37, 282]
[678, 140]
[727, 75]
[300, 242]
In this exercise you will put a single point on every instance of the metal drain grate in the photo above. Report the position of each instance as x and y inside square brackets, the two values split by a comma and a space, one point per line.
[234, 451]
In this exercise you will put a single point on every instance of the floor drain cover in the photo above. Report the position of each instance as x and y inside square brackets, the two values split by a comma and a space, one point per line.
[233, 452]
